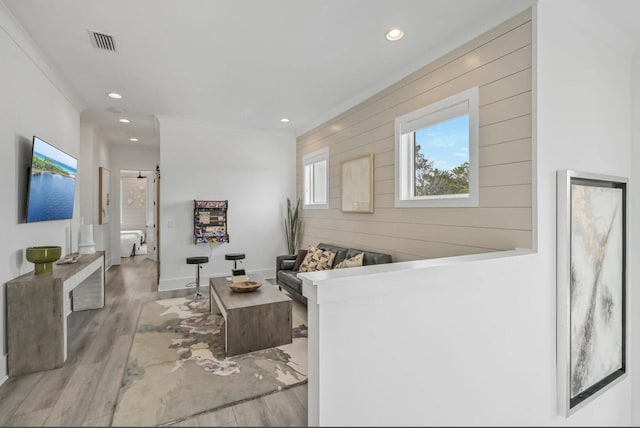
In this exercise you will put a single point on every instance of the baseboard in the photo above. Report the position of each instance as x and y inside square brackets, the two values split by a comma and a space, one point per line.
[180, 283]
[265, 273]
[3, 369]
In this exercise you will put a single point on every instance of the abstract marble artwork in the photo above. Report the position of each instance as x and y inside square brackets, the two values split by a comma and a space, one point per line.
[596, 285]
[591, 286]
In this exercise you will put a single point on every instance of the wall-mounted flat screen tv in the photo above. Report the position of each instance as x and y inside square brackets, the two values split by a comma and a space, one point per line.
[52, 183]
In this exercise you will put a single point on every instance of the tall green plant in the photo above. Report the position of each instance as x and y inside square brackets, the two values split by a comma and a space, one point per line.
[293, 226]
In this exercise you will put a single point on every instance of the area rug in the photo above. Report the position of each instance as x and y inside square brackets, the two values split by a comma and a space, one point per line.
[177, 366]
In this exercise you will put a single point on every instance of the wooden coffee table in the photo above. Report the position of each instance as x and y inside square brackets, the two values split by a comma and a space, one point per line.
[255, 320]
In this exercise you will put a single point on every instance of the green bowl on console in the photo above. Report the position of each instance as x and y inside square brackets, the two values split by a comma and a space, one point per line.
[43, 257]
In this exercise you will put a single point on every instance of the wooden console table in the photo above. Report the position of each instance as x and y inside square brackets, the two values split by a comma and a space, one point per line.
[37, 310]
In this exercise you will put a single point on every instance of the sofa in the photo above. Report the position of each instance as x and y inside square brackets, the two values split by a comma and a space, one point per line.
[288, 279]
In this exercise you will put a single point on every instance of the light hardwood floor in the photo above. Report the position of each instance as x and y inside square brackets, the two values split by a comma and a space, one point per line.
[84, 391]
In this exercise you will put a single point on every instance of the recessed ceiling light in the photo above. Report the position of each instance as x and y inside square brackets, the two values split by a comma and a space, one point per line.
[284, 120]
[394, 34]
[115, 95]
[123, 120]
[133, 139]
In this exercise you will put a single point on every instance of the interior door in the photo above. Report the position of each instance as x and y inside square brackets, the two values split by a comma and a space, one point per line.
[151, 215]
[156, 225]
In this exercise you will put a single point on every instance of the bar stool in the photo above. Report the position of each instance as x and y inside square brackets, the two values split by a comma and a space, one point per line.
[235, 257]
[198, 260]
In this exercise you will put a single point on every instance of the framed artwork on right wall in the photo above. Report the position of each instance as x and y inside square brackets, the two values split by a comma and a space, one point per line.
[591, 286]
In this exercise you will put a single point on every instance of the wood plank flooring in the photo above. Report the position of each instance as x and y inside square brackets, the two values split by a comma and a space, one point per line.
[84, 391]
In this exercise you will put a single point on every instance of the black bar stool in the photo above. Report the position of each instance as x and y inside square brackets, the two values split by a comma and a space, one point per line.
[197, 261]
[235, 257]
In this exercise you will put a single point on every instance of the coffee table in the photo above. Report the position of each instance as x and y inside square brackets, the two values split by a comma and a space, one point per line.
[254, 320]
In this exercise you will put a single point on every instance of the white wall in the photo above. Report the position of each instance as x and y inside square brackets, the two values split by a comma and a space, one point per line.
[31, 104]
[126, 157]
[634, 244]
[253, 170]
[94, 153]
[474, 343]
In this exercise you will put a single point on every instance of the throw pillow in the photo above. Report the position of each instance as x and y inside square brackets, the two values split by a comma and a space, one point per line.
[299, 258]
[316, 259]
[351, 262]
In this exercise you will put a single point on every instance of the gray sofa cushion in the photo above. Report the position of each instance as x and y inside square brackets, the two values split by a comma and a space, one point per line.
[290, 278]
[370, 257]
[288, 264]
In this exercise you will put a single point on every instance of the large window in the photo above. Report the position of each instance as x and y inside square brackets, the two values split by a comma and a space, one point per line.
[437, 154]
[315, 169]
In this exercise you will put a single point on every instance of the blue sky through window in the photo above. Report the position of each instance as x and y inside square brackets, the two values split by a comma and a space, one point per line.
[445, 143]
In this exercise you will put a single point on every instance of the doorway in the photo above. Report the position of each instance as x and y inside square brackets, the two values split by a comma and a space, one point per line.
[138, 214]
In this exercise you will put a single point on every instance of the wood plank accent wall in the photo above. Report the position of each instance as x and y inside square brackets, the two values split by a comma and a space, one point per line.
[499, 63]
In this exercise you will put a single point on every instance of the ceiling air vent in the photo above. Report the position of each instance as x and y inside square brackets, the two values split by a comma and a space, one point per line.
[102, 41]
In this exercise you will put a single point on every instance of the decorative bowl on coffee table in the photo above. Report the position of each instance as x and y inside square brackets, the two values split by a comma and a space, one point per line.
[43, 258]
[245, 286]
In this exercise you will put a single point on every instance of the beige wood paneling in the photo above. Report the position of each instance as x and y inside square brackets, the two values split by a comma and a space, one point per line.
[457, 235]
[506, 196]
[509, 130]
[508, 108]
[499, 62]
[508, 152]
[518, 195]
[395, 246]
[506, 174]
[516, 83]
[490, 217]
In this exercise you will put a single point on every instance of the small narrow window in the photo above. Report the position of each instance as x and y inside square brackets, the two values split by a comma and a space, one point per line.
[315, 168]
[437, 154]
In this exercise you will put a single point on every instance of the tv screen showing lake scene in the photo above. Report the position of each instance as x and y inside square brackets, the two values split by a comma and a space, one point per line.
[52, 183]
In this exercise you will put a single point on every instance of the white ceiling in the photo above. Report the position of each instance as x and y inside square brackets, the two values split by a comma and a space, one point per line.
[246, 63]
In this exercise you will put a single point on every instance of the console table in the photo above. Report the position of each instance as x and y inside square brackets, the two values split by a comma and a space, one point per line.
[37, 310]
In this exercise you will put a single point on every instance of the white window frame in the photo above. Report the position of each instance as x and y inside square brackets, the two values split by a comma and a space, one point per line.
[309, 159]
[440, 111]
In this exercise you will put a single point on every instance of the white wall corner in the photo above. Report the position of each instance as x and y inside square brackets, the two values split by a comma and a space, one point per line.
[3, 369]
[23, 40]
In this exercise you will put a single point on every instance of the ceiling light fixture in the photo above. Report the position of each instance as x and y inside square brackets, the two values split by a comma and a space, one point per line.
[114, 95]
[133, 139]
[123, 120]
[284, 120]
[394, 34]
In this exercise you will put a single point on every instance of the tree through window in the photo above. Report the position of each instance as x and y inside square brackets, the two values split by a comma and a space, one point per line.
[437, 154]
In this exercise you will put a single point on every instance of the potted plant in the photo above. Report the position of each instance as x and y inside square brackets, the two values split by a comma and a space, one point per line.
[293, 226]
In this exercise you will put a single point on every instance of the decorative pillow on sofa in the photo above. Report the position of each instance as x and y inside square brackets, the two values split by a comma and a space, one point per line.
[352, 262]
[299, 258]
[316, 259]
